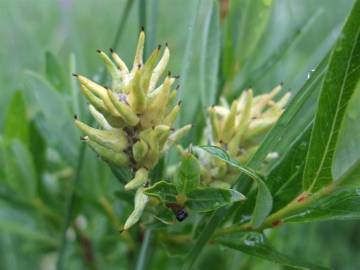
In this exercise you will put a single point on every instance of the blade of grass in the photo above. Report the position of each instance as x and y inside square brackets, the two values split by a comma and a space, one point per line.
[71, 202]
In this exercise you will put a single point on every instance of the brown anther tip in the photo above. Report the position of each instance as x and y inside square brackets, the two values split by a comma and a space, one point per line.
[98, 51]
[169, 73]
[177, 87]
[139, 66]
[83, 138]
[111, 50]
[153, 127]
[159, 47]
[179, 103]
[75, 75]
[142, 29]
[172, 129]
[121, 231]
[177, 77]
[221, 141]
[192, 125]
[75, 117]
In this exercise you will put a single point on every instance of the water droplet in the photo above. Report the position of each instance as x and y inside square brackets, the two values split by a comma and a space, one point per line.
[310, 73]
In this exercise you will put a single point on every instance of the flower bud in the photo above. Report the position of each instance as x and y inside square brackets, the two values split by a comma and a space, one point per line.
[139, 205]
[141, 176]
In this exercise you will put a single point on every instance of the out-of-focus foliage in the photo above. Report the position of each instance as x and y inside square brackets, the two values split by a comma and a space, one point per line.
[218, 47]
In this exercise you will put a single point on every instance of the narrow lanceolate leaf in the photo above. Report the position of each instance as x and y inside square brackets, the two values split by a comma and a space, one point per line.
[284, 181]
[347, 153]
[16, 123]
[210, 55]
[53, 71]
[187, 176]
[163, 190]
[255, 244]
[263, 203]
[252, 25]
[343, 204]
[209, 199]
[338, 87]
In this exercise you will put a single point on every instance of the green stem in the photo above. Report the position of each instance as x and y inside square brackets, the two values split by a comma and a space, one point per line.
[141, 263]
[301, 202]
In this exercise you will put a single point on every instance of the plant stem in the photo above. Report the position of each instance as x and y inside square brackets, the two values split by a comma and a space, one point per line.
[302, 201]
[141, 263]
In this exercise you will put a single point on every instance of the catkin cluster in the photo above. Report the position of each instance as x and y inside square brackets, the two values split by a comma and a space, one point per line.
[136, 115]
[239, 128]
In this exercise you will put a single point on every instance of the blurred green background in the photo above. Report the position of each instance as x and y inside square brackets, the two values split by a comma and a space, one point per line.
[43, 41]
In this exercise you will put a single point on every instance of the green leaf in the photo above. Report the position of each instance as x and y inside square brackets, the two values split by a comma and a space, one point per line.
[210, 55]
[54, 72]
[163, 190]
[347, 153]
[254, 17]
[339, 84]
[244, 28]
[255, 244]
[263, 203]
[187, 176]
[250, 75]
[343, 204]
[209, 199]
[185, 95]
[284, 181]
[20, 169]
[52, 116]
[37, 148]
[16, 123]
[164, 214]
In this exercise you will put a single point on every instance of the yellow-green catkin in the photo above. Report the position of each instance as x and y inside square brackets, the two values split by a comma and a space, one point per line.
[135, 115]
[239, 129]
